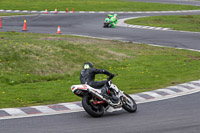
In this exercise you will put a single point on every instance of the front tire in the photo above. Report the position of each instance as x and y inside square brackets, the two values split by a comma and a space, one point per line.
[91, 108]
[105, 25]
[129, 104]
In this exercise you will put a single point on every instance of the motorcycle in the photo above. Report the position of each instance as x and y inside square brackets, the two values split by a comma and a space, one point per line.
[95, 104]
[110, 22]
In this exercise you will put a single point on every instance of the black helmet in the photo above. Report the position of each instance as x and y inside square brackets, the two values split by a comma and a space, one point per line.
[88, 65]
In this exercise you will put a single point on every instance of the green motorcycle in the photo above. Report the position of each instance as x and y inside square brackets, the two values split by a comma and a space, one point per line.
[110, 21]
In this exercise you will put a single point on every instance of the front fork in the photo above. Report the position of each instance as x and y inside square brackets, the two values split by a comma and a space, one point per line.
[123, 98]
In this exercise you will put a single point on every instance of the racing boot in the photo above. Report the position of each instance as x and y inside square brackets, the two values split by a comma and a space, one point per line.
[114, 98]
[104, 93]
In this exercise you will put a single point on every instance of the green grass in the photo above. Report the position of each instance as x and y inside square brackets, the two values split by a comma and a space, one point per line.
[90, 5]
[39, 69]
[13, 14]
[179, 22]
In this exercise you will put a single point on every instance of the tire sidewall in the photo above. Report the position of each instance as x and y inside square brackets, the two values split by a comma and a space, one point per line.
[88, 108]
[134, 104]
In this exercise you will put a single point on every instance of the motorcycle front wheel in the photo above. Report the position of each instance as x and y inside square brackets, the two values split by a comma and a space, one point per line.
[129, 104]
[105, 25]
[91, 108]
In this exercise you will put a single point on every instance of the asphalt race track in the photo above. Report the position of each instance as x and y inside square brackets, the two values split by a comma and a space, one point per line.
[91, 25]
[176, 115]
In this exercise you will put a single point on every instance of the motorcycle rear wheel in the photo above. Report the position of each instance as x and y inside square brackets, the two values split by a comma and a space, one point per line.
[129, 105]
[91, 108]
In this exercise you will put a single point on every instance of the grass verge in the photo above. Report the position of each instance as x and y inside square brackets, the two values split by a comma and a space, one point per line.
[13, 14]
[90, 5]
[179, 22]
[39, 69]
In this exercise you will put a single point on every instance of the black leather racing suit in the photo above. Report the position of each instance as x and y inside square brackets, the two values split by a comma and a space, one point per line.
[88, 76]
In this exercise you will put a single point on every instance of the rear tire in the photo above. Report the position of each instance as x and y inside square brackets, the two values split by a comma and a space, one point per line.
[91, 108]
[129, 105]
[104, 25]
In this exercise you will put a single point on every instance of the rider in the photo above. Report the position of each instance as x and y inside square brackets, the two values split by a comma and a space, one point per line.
[113, 19]
[87, 76]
